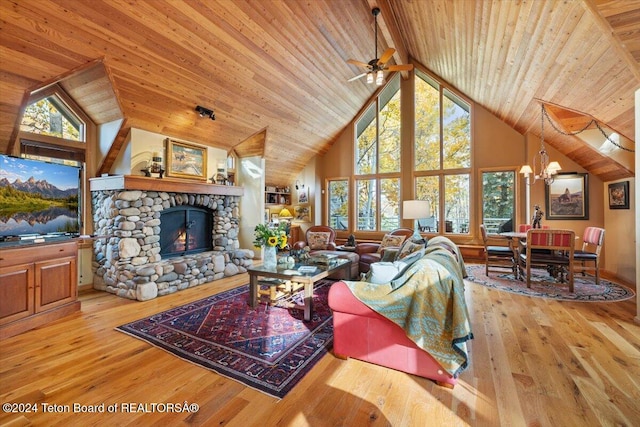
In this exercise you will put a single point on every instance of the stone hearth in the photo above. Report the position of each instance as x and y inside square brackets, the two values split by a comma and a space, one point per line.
[127, 260]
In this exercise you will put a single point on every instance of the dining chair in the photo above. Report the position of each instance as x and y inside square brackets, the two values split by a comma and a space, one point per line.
[551, 249]
[592, 241]
[497, 258]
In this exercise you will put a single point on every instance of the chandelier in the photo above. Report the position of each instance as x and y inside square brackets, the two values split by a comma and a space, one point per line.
[546, 170]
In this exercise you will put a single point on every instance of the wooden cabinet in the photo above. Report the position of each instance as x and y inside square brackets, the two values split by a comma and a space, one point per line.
[38, 284]
[294, 234]
[277, 196]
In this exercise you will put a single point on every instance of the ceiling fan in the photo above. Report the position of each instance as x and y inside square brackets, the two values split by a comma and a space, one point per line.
[377, 66]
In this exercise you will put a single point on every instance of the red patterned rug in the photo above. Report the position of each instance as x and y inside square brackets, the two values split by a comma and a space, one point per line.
[584, 287]
[266, 348]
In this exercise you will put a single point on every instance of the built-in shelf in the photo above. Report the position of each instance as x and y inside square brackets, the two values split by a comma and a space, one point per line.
[135, 182]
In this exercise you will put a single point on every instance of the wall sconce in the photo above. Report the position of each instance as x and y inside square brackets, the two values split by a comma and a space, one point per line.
[298, 185]
[205, 112]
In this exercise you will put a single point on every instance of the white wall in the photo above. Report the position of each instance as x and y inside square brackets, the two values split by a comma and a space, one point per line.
[250, 175]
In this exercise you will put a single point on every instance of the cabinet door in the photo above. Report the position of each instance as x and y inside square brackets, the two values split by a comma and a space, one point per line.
[56, 282]
[16, 292]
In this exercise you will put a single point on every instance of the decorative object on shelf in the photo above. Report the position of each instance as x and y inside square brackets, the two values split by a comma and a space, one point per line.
[154, 166]
[547, 170]
[536, 220]
[568, 197]
[351, 241]
[619, 195]
[376, 67]
[415, 209]
[186, 160]
[205, 112]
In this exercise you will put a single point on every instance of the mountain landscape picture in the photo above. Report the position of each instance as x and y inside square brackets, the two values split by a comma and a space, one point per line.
[37, 197]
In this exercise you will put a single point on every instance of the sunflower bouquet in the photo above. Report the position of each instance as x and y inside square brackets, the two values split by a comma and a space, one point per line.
[270, 236]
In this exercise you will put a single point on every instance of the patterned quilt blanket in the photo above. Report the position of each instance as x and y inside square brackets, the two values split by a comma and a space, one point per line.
[429, 304]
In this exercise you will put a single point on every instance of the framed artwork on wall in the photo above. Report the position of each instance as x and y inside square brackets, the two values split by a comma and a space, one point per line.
[567, 197]
[186, 160]
[619, 195]
[302, 213]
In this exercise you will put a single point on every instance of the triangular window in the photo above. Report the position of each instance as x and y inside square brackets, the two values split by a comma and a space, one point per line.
[51, 116]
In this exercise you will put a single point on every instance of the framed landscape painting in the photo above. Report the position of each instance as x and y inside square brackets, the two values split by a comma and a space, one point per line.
[619, 195]
[567, 197]
[186, 160]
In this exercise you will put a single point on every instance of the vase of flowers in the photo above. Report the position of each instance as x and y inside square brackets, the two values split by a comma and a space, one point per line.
[270, 237]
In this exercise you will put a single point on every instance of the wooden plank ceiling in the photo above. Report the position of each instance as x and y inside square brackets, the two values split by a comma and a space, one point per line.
[275, 72]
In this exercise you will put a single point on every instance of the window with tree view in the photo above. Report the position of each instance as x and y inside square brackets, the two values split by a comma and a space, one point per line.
[338, 204]
[498, 200]
[442, 155]
[377, 162]
[50, 116]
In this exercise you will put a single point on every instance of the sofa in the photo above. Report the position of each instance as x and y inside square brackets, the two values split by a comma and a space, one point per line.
[422, 339]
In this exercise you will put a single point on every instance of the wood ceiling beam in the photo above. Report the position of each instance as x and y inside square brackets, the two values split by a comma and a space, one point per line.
[390, 32]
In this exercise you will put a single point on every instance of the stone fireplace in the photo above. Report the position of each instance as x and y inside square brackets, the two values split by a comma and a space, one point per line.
[155, 237]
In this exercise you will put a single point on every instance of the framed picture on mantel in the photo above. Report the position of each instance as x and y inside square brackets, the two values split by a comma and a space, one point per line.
[186, 160]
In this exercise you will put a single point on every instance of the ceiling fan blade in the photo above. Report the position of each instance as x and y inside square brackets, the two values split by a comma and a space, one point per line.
[404, 67]
[386, 56]
[358, 63]
[357, 77]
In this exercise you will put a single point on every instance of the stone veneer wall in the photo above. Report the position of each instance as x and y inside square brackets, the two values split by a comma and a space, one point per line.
[127, 259]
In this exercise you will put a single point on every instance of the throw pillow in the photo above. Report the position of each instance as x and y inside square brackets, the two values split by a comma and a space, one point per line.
[318, 239]
[381, 272]
[408, 248]
[390, 240]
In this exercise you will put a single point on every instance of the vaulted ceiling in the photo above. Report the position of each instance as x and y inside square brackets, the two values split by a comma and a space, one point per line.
[275, 71]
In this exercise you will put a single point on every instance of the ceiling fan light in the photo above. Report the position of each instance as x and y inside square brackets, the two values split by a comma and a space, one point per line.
[369, 77]
[379, 78]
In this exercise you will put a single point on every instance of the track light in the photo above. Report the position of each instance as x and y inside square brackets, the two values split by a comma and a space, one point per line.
[205, 112]
[298, 185]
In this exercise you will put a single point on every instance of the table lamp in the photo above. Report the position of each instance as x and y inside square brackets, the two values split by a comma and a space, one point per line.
[415, 209]
[285, 214]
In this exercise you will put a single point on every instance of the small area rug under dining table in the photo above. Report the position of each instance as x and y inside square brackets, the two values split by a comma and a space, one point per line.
[268, 348]
[584, 287]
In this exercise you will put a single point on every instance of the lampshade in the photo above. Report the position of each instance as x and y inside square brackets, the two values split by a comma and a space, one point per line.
[415, 209]
[284, 213]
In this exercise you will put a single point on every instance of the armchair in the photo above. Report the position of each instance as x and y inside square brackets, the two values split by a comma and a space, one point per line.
[371, 252]
[318, 237]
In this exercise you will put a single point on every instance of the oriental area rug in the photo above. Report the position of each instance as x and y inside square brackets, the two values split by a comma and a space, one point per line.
[584, 287]
[268, 348]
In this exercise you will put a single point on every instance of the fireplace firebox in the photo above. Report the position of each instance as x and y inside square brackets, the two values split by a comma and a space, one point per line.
[185, 230]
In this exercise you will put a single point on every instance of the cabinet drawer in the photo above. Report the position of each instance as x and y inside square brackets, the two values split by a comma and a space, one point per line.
[37, 252]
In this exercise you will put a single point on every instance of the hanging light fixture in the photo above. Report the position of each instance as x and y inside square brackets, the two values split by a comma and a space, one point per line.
[547, 170]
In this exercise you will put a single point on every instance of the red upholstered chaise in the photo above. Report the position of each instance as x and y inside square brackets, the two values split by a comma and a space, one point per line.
[363, 334]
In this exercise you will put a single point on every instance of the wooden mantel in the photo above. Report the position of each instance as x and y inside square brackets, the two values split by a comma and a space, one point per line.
[134, 182]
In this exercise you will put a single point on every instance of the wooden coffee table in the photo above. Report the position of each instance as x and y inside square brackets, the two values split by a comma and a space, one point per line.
[295, 274]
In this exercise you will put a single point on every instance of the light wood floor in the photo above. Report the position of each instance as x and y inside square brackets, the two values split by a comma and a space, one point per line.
[535, 362]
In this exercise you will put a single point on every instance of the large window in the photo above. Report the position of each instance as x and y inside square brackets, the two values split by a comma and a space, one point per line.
[498, 200]
[442, 155]
[377, 162]
[338, 204]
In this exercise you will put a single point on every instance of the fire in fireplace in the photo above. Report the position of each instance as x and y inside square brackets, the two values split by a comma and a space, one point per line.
[185, 230]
